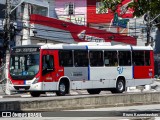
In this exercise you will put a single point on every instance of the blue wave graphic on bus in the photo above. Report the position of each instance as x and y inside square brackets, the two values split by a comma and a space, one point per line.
[120, 70]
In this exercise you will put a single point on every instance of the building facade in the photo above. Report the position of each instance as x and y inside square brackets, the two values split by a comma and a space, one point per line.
[71, 21]
[74, 13]
[78, 12]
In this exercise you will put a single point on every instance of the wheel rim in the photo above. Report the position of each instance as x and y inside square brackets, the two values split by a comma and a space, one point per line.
[120, 86]
[62, 88]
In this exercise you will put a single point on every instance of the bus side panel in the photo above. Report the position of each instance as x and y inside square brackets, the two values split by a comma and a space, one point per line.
[59, 70]
[141, 72]
[77, 75]
[152, 62]
[105, 77]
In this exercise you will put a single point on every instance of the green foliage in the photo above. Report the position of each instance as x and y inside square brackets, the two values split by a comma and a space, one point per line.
[143, 6]
[110, 4]
[140, 7]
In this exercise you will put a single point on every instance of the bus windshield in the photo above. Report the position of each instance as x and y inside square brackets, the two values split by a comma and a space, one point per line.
[24, 66]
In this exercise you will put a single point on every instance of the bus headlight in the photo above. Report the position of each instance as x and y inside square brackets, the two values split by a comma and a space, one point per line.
[35, 80]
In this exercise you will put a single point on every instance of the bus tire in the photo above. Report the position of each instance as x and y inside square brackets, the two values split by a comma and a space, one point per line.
[35, 94]
[62, 89]
[120, 86]
[93, 91]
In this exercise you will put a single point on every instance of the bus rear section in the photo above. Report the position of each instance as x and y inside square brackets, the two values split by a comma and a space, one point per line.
[143, 66]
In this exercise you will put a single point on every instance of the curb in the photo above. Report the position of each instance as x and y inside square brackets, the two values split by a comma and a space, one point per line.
[81, 102]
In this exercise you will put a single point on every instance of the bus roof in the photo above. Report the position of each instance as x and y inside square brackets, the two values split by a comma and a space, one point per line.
[94, 47]
[142, 48]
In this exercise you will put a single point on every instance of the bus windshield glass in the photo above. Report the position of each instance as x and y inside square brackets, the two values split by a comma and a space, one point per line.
[24, 65]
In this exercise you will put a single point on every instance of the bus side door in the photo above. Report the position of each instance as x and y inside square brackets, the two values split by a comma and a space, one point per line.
[51, 71]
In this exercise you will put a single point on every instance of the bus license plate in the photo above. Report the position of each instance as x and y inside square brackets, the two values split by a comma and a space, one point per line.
[21, 88]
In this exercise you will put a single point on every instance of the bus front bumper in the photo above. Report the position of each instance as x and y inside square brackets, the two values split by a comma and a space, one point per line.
[31, 87]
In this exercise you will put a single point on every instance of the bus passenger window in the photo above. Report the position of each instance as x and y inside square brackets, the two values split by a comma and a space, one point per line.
[124, 58]
[138, 58]
[65, 58]
[96, 58]
[147, 58]
[81, 58]
[110, 58]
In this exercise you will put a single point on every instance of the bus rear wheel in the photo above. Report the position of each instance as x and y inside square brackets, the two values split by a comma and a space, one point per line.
[62, 89]
[120, 87]
[35, 94]
[93, 91]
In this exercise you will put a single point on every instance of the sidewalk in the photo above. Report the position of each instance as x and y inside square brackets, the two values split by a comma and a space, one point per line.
[1, 91]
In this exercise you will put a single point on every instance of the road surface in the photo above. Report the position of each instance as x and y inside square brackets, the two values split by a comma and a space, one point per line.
[155, 108]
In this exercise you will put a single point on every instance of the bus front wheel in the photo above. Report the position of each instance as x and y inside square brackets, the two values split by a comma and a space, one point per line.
[93, 91]
[120, 87]
[35, 94]
[62, 89]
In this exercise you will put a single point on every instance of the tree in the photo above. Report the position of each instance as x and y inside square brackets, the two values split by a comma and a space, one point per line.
[140, 7]
[110, 4]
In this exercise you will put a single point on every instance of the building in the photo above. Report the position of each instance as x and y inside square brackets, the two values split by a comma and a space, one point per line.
[81, 21]
[74, 11]
[70, 21]
[76, 17]
[86, 12]
[77, 13]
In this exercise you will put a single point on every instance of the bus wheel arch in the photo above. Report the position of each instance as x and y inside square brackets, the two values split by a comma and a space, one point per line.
[120, 85]
[93, 91]
[63, 86]
[35, 94]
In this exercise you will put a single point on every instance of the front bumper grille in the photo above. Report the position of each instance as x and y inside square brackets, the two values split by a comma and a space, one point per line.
[22, 87]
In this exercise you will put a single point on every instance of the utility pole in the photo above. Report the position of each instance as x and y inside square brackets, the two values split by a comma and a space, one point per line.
[7, 25]
[148, 29]
[7, 38]
[148, 26]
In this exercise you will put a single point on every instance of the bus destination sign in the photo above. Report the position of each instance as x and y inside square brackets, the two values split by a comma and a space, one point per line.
[26, 50]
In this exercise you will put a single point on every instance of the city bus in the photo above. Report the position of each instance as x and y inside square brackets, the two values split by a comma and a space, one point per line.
[59, 68]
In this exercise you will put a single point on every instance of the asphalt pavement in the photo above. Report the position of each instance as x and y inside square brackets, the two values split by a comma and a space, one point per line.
[129, 111]
[155, 87]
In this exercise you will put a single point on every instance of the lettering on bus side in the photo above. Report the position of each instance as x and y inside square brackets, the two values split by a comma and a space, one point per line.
[77, 74]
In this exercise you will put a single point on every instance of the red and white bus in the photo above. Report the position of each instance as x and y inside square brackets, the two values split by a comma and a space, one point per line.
[63, 67]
